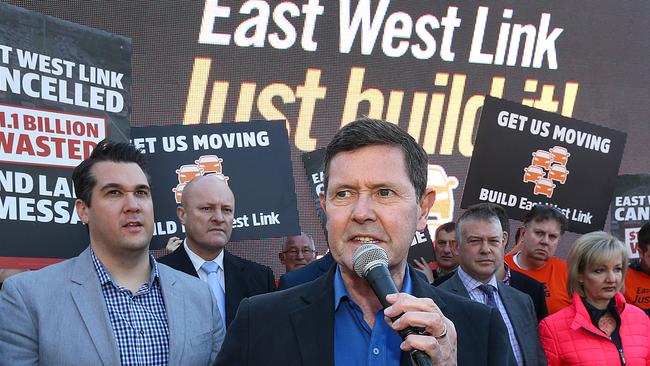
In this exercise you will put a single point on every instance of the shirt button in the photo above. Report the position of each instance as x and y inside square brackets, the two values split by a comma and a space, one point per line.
[375, 351]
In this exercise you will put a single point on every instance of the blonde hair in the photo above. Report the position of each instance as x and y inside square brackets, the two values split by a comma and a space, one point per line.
[590, 250]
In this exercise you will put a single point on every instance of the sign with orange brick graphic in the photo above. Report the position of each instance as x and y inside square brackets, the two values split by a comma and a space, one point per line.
[252, 157]
[524, 156]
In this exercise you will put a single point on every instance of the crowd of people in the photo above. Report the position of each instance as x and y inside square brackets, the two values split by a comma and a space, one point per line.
[201, 305]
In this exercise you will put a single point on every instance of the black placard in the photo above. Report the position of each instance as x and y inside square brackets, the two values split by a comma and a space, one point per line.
[64, 88]
[252, 156]
[630, 209]
[525, 156]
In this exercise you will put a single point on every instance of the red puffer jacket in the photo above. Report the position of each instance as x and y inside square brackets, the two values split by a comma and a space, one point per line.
[569, 337]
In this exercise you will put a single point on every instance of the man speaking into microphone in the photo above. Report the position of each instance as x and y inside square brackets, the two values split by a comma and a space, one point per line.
[375, 193]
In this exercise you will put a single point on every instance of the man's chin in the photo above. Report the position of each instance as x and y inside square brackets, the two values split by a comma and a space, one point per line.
[541, 257]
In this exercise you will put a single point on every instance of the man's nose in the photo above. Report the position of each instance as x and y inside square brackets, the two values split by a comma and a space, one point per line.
[132, 202]
[217, 216]
[363, 209]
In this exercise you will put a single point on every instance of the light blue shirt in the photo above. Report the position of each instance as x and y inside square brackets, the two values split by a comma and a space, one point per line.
[354, 342]
[476, 294]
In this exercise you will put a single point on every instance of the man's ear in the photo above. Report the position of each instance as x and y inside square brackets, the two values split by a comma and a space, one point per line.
[321, 198]
[506, 236]
[281, 257]
[426, 202]
[180, 212]
[82, 210]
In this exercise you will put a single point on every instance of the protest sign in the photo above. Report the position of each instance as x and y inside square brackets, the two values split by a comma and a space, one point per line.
[630, 209]
[252, 157]
[63, 88]
[525, 156]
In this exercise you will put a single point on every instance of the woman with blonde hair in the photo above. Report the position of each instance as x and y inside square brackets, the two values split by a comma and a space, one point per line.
[599, 327]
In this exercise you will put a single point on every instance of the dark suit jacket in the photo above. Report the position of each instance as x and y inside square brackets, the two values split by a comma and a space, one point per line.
[307, 273]
[523, 283]
[243, 278]
[296, 327]
[520, 310]
[532, 288]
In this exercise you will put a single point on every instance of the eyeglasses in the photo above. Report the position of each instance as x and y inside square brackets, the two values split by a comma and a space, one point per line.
[307, 252]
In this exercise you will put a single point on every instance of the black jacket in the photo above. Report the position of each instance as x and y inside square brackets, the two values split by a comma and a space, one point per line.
[243, 278]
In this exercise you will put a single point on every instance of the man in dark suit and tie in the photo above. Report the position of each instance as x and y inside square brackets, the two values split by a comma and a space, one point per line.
[207, 212]
[375, 193]
[508, 277]
[480, 246]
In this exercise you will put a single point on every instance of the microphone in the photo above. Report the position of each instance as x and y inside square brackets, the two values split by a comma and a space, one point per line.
[371, 263]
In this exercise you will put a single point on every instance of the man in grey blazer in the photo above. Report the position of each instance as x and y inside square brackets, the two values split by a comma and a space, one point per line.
[113, 304]
[479, 246]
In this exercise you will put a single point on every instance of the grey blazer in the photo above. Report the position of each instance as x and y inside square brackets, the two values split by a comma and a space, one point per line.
[521, 312]
[57, 316]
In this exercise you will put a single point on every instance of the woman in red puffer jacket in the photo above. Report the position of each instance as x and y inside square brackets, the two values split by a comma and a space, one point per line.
[599, 327]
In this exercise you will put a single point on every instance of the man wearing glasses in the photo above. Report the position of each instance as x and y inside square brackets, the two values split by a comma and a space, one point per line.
[298, 251]
[207, 211]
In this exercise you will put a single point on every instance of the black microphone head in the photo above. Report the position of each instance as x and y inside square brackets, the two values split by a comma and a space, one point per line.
[367, 257]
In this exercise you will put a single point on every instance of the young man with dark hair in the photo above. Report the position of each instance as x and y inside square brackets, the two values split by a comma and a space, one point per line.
[543, 228]
[375, 193]
[637, 280]
[113, 304]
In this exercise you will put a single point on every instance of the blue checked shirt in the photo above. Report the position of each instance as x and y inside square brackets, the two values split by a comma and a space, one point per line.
[139, 320]
[476, 294]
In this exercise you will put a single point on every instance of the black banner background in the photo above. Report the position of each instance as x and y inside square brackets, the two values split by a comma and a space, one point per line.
[603, 48]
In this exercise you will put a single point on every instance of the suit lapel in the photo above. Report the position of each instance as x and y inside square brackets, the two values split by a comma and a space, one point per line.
[421, 288]
[515, 315]
[175, 308]
[314, 323]
[457, 286]
[183, 261]
[236, 288]
[89, 300]
[325, 264]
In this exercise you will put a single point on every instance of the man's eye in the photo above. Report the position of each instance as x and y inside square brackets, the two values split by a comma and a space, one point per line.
[342, 194]
[384, 192]
[142, 193]
[113, 192]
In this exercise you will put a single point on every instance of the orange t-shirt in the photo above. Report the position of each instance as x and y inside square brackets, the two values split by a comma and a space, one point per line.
[554, 276]
[637, 289]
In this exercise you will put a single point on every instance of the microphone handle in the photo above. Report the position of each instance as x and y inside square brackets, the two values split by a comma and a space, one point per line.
[382, 284]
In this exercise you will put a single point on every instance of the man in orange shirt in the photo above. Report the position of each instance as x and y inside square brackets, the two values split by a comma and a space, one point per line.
[637, 279]
[540, 236]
